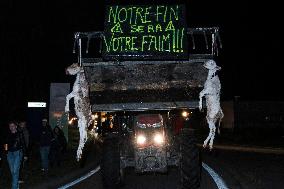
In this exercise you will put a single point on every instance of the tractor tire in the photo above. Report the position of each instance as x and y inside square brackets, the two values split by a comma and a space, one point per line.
[190, 161]
[110, 164]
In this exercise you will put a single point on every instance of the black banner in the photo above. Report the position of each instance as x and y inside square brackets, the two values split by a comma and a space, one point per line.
[145, 32]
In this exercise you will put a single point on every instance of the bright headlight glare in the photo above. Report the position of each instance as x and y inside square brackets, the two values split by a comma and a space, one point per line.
[184, 114]
[159, 139]
[141, 139]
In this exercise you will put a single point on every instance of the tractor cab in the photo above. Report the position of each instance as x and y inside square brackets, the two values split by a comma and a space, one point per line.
[149, 130]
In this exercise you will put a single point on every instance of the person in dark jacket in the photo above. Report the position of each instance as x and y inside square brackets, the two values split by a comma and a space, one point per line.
[1, 150]
[45, 142]
[16, 150]
[22, 128]
[58, 146]
[107, 126]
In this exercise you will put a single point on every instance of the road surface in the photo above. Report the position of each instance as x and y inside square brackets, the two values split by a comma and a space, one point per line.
[239, 170]
[146, 181]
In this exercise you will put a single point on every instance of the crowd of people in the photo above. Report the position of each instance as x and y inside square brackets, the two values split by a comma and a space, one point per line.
[16, 148]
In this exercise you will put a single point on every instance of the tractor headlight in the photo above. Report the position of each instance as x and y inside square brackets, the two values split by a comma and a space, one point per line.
[159, 139]
[185, 114]
[141, 139]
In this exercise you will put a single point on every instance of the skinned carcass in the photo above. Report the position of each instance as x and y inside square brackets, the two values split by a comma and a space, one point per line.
[211, 92]
[80, 93]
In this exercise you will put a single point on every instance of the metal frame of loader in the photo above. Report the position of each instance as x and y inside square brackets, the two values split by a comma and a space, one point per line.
[210, 34]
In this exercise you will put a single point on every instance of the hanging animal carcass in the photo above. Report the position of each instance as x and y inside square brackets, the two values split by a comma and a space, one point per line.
[80, 93]
[211, 92]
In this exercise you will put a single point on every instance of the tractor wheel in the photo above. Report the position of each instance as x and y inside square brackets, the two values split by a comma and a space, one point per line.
[110, 164]
[190, 162]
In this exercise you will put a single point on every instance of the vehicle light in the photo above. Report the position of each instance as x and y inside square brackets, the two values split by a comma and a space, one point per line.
[185, 114]
[159, 139]
[141, 139]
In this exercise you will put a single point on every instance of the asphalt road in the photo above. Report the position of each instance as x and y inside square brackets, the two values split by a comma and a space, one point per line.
[245, 170]
[239, 170]
[146, 181]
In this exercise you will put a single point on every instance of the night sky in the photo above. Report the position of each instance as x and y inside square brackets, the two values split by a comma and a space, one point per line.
[37, 40]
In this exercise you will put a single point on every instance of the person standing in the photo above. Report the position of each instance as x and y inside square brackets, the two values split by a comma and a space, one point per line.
[16, 150]
[24, 131]
[107, 125]
[1, 151]
[45, 142]
[58, 146]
